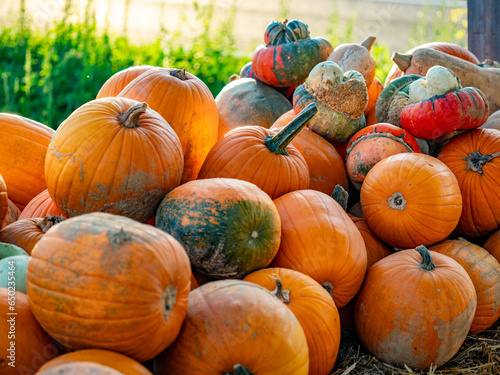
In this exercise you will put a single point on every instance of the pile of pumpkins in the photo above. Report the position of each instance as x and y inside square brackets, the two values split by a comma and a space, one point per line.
[160, 229]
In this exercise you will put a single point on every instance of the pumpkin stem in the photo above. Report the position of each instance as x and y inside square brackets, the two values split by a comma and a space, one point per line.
[328, 286]
[48, 222]
[401, 60]
[426, 262]
[130, 118]
[282, 294]
[179, 73]
[169, 299]
[280, 141]
[234, 77]
[239, 370]
[368, 42]
[341, 196]
[396, 201]
[476, 161]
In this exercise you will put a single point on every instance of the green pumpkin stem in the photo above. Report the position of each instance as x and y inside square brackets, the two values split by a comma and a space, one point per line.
[179, 73]
[401, 60]
[280, 141]
[282, 294]
[368, 42]
[239, 370]
[426, 262]
[130, 118]
[341, 196]
[476, 161]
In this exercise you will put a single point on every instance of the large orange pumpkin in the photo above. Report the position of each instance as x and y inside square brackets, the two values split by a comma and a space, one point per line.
[188, 106]
[484, 271]
[113, 155]
[474, 158]
[116, 361]
[32, 346]
[411, 199]
[314, 309]
[261, 156]
[415, 308]
[22, 149]
[117, 82]
[236, 327]
[320, 240]
[40, 206]
[108, 282]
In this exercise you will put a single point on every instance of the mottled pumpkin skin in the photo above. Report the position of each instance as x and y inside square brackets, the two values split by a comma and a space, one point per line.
[228, 227]
[23, 148]
[478, 175]
[314, 309]
[33, 347]
[484, 271]
[117, 82]
[233, 322]
[105, 281]
[40, 206]
[407, 315]
[411, 199]
[320, 240]
[116, 361]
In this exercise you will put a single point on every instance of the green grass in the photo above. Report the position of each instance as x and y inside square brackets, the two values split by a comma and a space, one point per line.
[46, 75]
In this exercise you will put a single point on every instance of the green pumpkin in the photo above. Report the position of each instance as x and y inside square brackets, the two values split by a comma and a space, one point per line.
[7, 250]
[13, 269]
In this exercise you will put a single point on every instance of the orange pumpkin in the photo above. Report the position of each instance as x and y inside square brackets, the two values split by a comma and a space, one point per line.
[32, 346]
[26, 233]
[40, 206]
[492, 244]
[261, 156]
[80, 368]
[415, 308]
[326, 167]
[13, 213]
[321, 241]
[23, 148]
[474, 158]
[116, 361]
[411, 199]
[117, 82]
[236, 327]
[314, 309]
[374, 91]
[113, 155]
[108, 282]
[4, 202]
[187, 104]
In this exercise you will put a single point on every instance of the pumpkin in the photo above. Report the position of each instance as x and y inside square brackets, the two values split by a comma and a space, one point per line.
[341, 99]
[80, 368]
[7, 250]
[415, 308]
[314, 309]
[40, 206]
[26, 233]
[113, 155]
[262, 157]
[372, 144]
[228, 227]
[356, 56]
[14, 268]
[374, 91]
[288, 56]
[236, 327]
[470, 75]
[125, 285]
[492, 244]
[473, 157]
[4, 202]
[187, 104]
[13, 213]
[246, 101]
[439, 105]
[23, 148]
[25, 345]
[116, 361]
[117, 82]
[326, 167]
[484, 271]
[411, 199]
[321, 241]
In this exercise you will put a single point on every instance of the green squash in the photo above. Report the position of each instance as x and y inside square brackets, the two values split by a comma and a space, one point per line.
[13, 270]
[7, 250]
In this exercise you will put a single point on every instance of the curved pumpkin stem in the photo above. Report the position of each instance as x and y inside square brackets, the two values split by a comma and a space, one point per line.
[239, 370]
[341, 196]
[48, 222]
[476, 161]
[426, 262]
[280, 141]
[368, 42]
[280, 293]
[130, 118]
[401, 60]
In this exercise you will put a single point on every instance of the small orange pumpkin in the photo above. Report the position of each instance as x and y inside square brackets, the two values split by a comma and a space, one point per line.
[40, 206]
[117, 82]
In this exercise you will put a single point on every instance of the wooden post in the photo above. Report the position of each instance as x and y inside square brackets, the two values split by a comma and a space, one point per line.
[483, 17]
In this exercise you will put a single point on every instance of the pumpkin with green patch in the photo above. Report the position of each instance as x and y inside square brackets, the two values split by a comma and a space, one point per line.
[228, 227]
